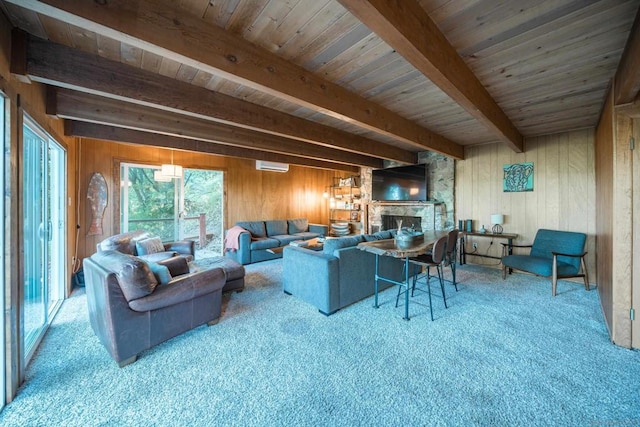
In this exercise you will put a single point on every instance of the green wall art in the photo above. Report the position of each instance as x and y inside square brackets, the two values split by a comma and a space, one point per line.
[518, 177]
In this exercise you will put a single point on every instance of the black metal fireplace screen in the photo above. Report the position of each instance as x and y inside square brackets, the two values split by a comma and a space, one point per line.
[393, 222]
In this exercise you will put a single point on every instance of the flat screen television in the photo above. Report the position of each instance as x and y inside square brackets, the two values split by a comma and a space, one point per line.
[403, 183]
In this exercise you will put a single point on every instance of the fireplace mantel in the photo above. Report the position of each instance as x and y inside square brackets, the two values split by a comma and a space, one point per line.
[393, 203]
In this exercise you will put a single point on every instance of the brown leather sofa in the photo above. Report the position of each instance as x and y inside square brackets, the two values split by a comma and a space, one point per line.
[129, 242]
[131, 309]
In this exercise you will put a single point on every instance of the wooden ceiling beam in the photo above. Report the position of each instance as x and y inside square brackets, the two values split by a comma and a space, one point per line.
[406, 27]
[159, 27]
[627, 80]
[62, 66]
[118, 134]
[69, 104]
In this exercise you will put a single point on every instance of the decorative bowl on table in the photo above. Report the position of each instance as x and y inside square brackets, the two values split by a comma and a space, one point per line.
[409, 238]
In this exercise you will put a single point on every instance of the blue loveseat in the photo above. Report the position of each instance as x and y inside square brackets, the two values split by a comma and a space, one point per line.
[264, 240]
[555, 254]
[339, 275]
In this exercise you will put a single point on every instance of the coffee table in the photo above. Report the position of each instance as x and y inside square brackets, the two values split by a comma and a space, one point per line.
[312, 244]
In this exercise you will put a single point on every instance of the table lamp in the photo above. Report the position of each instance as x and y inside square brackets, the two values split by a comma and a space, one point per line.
[497, 220]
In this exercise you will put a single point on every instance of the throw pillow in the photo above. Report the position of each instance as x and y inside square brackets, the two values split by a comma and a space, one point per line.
[277, 227]
[299, 225]
[256, 228]
[161, 272]
[151, 245]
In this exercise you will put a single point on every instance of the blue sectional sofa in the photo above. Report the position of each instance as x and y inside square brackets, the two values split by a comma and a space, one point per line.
[264, 240]
[339, 275]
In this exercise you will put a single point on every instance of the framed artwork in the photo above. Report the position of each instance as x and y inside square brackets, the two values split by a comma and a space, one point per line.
[518, 177]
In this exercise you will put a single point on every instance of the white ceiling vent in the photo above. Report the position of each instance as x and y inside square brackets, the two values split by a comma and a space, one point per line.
[262, 165]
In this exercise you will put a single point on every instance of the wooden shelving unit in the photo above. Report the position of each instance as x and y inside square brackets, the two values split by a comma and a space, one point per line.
[344, 203]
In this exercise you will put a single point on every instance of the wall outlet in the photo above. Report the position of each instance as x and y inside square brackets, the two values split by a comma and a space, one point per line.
[475, 245]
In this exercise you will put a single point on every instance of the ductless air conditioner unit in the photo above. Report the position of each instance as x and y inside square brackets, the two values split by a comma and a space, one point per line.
[263, 165]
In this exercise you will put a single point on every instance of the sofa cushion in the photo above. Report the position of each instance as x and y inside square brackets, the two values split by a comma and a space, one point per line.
[161, 272]
[298, 225]
[331, 245]
[306, 235]
[256, 228]
[264, 243]
[285, 239]
[150, 245]
[538, 265]
[276, 227]
[134, 275]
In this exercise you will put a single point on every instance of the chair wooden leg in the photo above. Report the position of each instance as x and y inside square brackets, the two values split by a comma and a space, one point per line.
[554, 276]
[586, 275]
[504, 272]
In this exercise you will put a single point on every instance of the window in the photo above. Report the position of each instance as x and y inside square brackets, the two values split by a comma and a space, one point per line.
[174, 209]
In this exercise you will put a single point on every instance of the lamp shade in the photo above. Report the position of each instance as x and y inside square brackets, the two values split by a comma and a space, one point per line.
[497, 219]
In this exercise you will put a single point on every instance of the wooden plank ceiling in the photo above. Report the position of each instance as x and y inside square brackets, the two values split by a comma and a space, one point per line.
[323, 83]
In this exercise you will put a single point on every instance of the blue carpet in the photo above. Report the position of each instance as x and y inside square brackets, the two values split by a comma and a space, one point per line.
[506, 353]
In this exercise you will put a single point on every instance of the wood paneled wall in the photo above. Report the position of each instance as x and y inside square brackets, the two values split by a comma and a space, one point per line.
[604, 143]
[617, 169]
[250, 194]
[563, 197]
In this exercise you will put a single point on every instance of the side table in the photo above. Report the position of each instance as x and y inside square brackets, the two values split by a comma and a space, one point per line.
[463, 234]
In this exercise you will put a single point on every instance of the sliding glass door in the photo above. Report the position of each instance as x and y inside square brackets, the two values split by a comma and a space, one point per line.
[4, 143]
[44, 225]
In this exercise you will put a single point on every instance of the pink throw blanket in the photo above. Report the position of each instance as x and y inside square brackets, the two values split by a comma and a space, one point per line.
[232, 240]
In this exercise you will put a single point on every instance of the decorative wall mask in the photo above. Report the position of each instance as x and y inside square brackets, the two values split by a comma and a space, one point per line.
[97, 194]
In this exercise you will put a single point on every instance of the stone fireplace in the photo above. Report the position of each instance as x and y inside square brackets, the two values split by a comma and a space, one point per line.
[437, 213]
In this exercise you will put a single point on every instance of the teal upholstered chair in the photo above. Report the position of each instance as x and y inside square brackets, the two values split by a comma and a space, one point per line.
[555, 254]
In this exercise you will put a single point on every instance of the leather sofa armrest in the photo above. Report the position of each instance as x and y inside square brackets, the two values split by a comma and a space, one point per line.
[181, 289]
[184, 247]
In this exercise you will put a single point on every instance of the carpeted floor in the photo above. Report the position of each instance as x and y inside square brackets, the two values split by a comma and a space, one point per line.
[505, 353]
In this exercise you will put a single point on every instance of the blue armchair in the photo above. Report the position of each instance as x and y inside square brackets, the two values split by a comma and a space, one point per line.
[555, 254]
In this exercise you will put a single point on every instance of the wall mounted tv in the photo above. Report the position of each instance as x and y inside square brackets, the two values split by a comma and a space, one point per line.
[403, 183]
